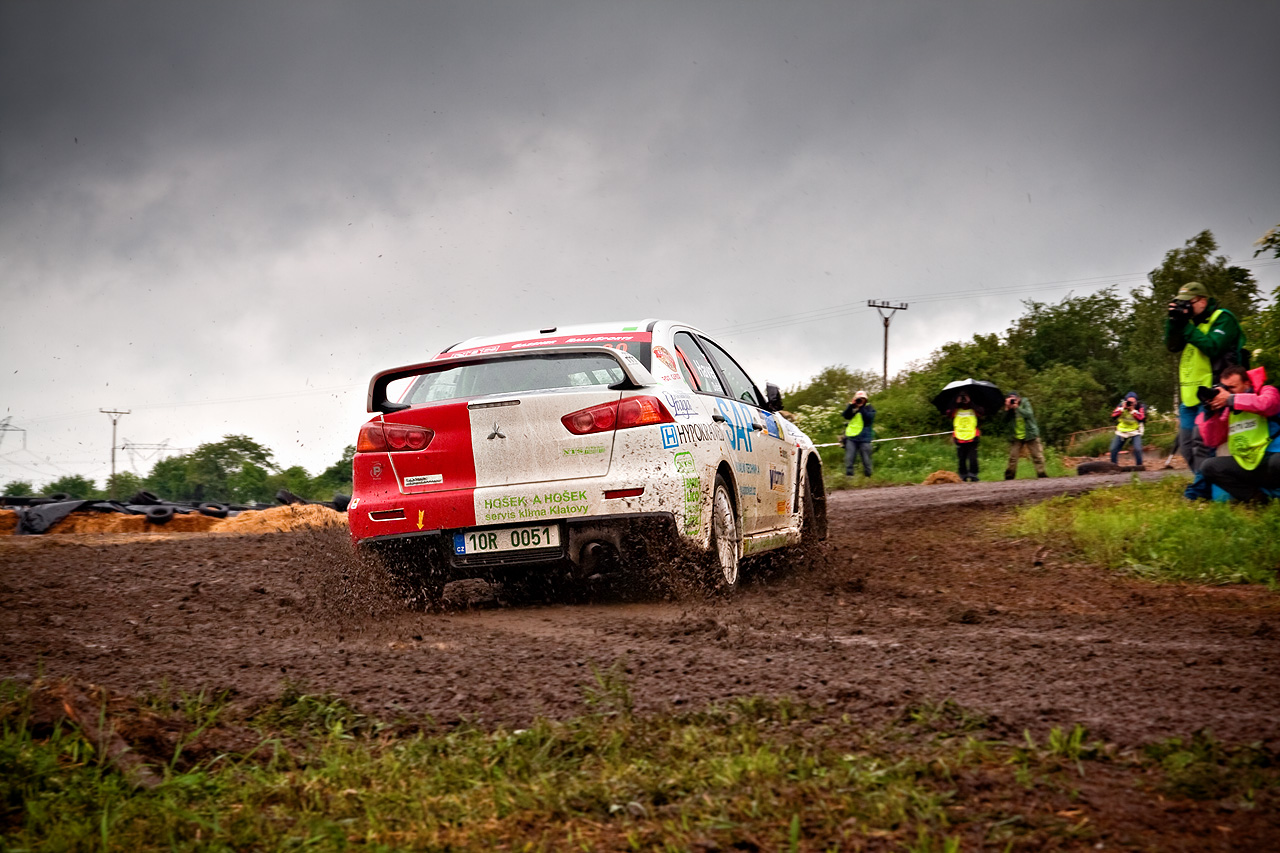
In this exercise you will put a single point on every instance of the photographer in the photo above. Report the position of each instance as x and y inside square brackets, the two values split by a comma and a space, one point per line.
[1209, 339]
[1026, 435]
[1246, 416]
[858, 433]
[1130, 417]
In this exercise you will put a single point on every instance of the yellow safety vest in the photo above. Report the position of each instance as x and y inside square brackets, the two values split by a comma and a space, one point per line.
[1195, 369]
[855, 425]
[1129, 424]
[1249, 433]
[965, 424]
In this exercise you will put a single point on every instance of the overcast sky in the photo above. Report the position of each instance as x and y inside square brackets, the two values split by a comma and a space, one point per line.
[224, 217]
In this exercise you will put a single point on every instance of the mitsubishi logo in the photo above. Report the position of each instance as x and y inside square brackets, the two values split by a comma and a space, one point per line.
[497, 432]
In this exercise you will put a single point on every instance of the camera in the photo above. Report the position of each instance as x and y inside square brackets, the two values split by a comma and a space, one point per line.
[1205, 393]
[1180, 308]
[1128, 404]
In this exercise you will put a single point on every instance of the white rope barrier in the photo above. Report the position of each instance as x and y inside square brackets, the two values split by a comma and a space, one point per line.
[895, 438]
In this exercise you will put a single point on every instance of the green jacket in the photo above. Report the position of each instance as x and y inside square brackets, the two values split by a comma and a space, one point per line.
[1222, 343]
[1028, 417]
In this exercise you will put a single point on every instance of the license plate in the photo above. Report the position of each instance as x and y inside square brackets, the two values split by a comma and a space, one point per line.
[509, 539]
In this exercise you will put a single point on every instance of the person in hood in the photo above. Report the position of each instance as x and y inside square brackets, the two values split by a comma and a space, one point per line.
[858, 433]
[1130, 417]
[1245, 415]
[1026, 435]
[1209, 339]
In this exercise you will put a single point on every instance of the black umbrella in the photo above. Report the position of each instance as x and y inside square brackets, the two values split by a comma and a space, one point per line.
[982, 394]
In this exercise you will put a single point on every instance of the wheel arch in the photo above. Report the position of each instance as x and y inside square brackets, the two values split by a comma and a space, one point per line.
[818, 488]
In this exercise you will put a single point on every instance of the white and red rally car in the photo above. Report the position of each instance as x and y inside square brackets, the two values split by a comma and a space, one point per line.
[573, 447]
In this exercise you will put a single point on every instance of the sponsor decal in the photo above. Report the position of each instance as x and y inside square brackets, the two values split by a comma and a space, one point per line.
[517, 507]
[771, 425]
[782, 507]
[674, 435]
[376, 471]
[746, 491]
[663, 355]
[681, 405]
[737, 423]
[425, 480]
[747, 468]
[777, 479]
[669, 437]
[593, 450]
[782, 453]
[692, 492]
[355, 502]
[620, 341]
[764, 543]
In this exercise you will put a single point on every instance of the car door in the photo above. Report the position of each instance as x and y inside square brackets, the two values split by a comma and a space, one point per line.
[766, 443]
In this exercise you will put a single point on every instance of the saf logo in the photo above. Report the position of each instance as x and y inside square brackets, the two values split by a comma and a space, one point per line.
[737, 424]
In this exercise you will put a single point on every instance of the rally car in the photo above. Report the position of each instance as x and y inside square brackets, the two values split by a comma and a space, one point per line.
[574, 448]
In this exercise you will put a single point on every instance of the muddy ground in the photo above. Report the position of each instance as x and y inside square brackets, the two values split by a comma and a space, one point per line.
[919, 598]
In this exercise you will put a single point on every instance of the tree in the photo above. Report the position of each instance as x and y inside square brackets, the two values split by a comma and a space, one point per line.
[1084, 332]
[19, 488]
[1269, 242]
[80, 488]
[833, 385]
[334, 479]
[233, 470]
[123, 485]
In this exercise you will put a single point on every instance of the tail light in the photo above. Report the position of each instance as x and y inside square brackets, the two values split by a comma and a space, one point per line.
[631, 412]
[376, 436]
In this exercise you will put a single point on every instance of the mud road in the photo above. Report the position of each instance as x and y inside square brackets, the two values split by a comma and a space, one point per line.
[919, 598]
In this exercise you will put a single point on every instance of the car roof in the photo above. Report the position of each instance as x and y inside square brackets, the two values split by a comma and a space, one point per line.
[648, 325]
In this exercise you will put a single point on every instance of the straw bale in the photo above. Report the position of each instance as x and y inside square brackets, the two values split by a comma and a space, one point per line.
[942, 477]
[281, 518]
[8, 522]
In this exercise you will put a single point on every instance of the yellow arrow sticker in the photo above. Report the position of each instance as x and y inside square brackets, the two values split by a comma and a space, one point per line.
[420, 514]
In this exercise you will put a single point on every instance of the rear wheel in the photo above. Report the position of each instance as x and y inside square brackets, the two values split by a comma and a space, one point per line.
[726, 542]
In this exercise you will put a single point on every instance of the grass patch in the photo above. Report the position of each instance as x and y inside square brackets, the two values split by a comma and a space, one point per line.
[896, 463]
[1149, 530]
[755, 773]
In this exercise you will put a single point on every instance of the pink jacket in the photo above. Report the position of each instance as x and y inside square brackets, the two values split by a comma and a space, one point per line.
[1266, 402]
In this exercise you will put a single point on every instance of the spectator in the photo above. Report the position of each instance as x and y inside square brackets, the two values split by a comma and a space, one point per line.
[1130, 417]
[1246, 417]
[1209, 339]
[965, 433]
[858, 433]
[1026, 435]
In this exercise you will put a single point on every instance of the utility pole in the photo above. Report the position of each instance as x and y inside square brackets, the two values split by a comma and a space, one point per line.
[115, 419]
[891, 307]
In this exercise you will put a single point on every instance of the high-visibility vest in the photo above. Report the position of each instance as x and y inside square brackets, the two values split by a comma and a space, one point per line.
[855, 425]
[1195, 368]
[965, 424]
[1249, 434]
[1128, 423]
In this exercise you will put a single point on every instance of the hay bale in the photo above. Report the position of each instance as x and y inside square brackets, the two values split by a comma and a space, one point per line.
[942, 477]
[281, 518]
[8, 522]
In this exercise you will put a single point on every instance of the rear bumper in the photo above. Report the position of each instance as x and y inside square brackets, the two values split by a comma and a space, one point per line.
[584, 542]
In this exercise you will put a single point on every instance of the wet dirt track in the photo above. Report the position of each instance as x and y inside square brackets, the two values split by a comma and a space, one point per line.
[917, 599]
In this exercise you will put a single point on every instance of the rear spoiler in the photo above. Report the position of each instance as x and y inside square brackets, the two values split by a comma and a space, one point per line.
[637, 375]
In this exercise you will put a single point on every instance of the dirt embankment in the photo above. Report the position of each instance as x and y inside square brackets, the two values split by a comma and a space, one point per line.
[916, 599]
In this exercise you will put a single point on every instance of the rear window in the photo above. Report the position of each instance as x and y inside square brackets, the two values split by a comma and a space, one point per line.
[515, 376]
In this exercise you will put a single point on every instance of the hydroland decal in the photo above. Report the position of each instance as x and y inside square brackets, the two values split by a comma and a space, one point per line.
[692, 492]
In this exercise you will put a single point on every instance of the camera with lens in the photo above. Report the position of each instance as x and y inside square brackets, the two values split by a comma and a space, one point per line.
[1180, 308]
[1205, 393]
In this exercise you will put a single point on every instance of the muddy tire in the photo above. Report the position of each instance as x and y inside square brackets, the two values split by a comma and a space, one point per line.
[726, 539]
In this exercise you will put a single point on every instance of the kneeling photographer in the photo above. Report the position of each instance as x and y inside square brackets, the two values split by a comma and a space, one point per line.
[1244, 413]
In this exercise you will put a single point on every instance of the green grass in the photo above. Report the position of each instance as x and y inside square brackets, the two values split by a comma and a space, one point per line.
[896, 463]
[749, 774]
[1150, 530]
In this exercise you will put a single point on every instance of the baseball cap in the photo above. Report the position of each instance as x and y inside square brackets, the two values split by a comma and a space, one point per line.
[862, 394]
[1192, 290]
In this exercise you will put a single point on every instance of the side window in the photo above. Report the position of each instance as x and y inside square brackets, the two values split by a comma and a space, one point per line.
[697, 371]
[740, 385]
